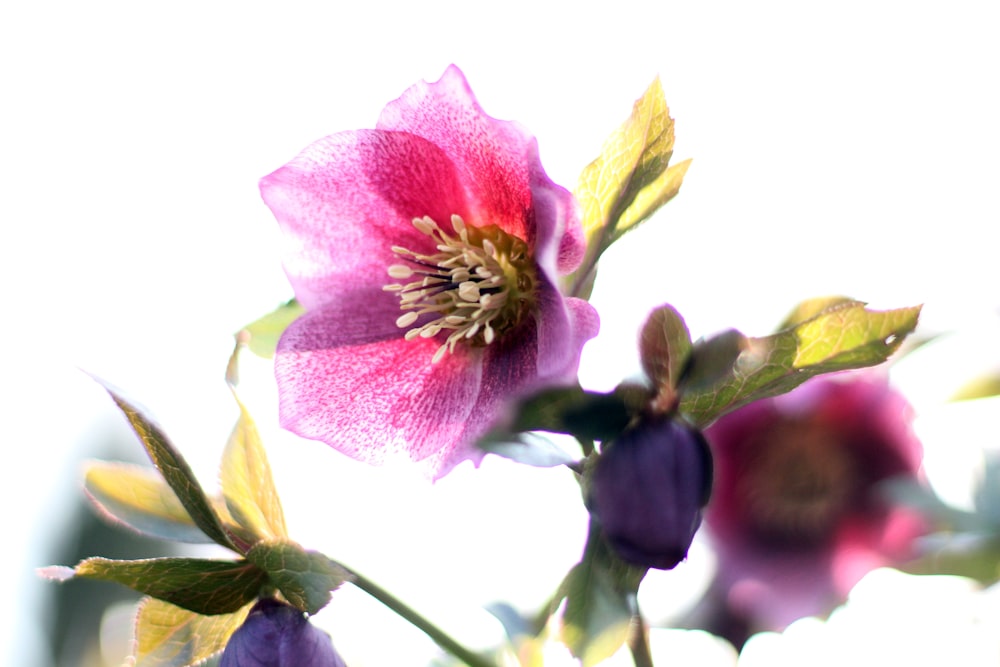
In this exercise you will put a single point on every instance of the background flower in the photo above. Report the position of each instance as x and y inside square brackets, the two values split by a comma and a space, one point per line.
[478, 292]
[796, 514]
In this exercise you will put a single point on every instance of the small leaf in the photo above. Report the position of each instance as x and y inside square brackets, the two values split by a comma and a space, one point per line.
[664, 347]
[176, 472]
[265, 331]
[528, 448]
[584, 414]
[983, 386]
[712, 359]
[600, 601]
[199, 585]
[305, 578]
[839, 338]
[137, 497]
[666, 186]
[169, 636]
[247, 484]
[632, 158]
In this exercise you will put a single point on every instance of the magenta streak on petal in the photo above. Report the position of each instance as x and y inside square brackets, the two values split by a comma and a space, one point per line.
[347, 199]
[372, 400]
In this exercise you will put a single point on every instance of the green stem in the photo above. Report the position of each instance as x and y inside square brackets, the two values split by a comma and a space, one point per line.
[638, 642]
[407, 613]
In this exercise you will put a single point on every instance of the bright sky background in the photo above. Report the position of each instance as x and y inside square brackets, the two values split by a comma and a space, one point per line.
[845, 147]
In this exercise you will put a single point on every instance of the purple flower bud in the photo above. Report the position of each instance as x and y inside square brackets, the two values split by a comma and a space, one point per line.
[278, 635]
[647, 491]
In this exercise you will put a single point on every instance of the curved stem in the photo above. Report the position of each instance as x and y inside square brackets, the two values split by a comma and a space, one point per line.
[408, 614]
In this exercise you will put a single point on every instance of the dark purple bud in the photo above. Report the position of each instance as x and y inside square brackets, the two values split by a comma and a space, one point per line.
[278, 635]
[647, 491]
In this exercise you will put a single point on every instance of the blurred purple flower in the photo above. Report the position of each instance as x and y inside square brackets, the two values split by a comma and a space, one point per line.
[797, 515]
[427, 253]
[278, 635]
[648, 489]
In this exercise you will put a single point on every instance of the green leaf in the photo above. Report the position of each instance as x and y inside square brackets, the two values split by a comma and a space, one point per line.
[247, 484]
[664, 347]
[811, 308]
[305, 578]
[632, 158]
[600, 593]
[265, 331]
[712, 359]
[529, 448]
[176, 472]
[983, 386]
[199, 585]
[584, 414]
[137, 497]
[839, 338]
[169, 636]
[666, 186]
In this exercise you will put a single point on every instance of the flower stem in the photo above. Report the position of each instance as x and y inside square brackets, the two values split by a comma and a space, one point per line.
[638, 642]
[407, 613]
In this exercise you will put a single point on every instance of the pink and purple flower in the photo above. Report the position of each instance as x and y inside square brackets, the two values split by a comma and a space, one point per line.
[426, 253]
[797, 514]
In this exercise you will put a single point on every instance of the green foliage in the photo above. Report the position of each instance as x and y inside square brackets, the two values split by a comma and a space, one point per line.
[305, 578]
[168, 636]
[265, 331]
[628, 181]
[664, 348]
[600, 601]
[841, 337]
[137, 497]
[199, 585]
[177, 474]
[247, 484]
[983, 386]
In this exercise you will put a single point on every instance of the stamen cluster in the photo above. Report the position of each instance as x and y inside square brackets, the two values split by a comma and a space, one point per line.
[477, 285]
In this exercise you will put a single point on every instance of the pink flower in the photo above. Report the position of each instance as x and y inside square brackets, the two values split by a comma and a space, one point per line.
[797, 515]
[426, 253]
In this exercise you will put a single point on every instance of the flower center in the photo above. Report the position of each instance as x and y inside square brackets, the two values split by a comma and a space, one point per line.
[477, 286]
[799, 485]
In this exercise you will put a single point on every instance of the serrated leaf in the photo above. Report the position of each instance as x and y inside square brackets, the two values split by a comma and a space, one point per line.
[632, 158]
[265, 331]
[176, 472]
[664, 347]
[983, 386]
[247, 485]
[840, 338]
[649, 200]
[528, 448]
[305, 578]
[199, 585]
[169, 636]
[137, 497]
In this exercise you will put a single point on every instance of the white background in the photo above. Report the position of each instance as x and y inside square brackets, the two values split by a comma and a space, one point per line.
[845, 147]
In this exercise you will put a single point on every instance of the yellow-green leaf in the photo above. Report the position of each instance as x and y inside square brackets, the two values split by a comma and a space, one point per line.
[265, 331]
[199, 585]
[632, 158]
[983, 386]
[137, 497]
[652, 197]
[247, 484]
[840, 337]
[169, 636]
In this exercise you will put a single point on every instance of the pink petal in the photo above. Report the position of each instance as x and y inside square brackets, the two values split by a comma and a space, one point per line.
[347, 199]
[373, 399]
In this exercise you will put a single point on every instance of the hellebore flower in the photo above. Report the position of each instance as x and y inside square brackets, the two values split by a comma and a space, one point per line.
[797, 516]
[426, 252]
[648, 489]
[278, 635]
